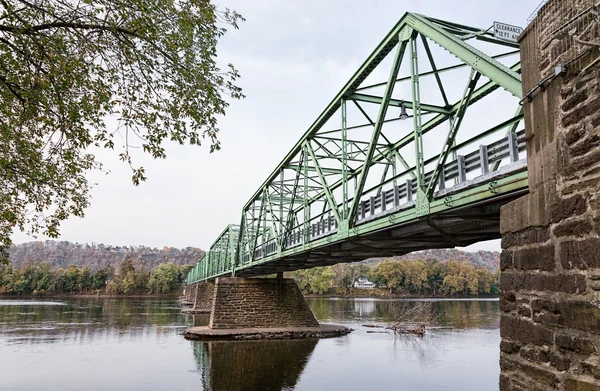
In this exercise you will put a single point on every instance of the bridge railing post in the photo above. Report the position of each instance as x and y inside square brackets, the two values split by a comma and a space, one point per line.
[483, 158]
[513, 147]
[462, 172]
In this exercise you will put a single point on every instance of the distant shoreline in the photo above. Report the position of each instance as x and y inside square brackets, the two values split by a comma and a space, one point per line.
[366, 295]
[313, 296]
[377, 294]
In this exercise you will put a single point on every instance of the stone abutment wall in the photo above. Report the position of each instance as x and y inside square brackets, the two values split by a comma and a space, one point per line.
[550, 325]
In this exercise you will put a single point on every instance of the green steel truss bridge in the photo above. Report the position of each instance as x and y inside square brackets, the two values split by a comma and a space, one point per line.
[423, 159]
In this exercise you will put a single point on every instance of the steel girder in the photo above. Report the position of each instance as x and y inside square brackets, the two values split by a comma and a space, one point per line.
[331, 187]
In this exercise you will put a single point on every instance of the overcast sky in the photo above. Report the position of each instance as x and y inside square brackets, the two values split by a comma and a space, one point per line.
[293, 56]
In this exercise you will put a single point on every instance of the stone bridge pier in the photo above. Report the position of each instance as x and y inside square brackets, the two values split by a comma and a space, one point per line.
[256, 308]
[200, 297]
[550, 324]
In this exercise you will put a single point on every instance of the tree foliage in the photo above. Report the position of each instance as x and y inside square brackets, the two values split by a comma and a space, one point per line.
[317, 280]
[80, 76]
[41, 279]
[417, 277]
[436, 278]
[163, 278]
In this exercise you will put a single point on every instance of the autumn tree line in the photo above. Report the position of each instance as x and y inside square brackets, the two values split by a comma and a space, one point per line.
[127, 279]
[426, 278]
[419, 278]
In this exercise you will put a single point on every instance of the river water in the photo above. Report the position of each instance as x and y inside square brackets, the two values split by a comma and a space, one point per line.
[136, 344]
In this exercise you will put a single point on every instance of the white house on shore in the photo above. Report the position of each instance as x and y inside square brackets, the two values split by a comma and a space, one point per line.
[364, 283]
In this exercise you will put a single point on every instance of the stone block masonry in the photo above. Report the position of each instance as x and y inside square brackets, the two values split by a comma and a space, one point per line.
[204, 296]
[241, 303]
[550, 279]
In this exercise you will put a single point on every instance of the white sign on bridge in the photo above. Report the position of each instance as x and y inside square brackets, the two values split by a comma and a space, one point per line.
[507, 32]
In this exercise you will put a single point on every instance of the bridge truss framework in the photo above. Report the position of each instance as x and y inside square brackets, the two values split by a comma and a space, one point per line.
[367, 190]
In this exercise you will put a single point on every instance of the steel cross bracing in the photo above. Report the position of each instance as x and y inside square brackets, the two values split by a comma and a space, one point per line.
[421, 160]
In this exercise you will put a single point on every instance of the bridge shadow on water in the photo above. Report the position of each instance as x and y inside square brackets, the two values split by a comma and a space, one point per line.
[252, 365]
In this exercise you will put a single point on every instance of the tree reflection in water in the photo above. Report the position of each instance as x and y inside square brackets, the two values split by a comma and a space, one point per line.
[86, 319]
[135, 344]
[455, 313]
[252, 365]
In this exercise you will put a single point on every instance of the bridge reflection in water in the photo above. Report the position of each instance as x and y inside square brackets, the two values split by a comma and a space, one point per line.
[252, 365]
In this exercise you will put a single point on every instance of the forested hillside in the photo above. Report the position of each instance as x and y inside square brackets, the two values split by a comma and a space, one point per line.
[486, 259]
[64, 267]
[62, 254]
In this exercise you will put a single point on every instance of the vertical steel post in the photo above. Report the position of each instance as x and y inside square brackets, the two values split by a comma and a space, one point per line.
[231, 250]
[394, 171]
[281, 233]
[305, 197]
[265, 237]
[483, 158]
[422, 201]
[344, 162]
[416, 106]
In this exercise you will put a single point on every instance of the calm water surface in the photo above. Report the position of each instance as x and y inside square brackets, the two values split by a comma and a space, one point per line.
[136, 344]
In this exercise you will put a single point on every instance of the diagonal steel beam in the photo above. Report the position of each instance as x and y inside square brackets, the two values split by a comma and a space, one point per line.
[289, 220]
[396, 153]
[364, 113]
[440, 70]
[403, 162]
[442, 232]
[377, 128]
[255, 241]
[479, 94]
[434, 68]
[490, 68]
[328, 194]
[451, 137]
[273, 218]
